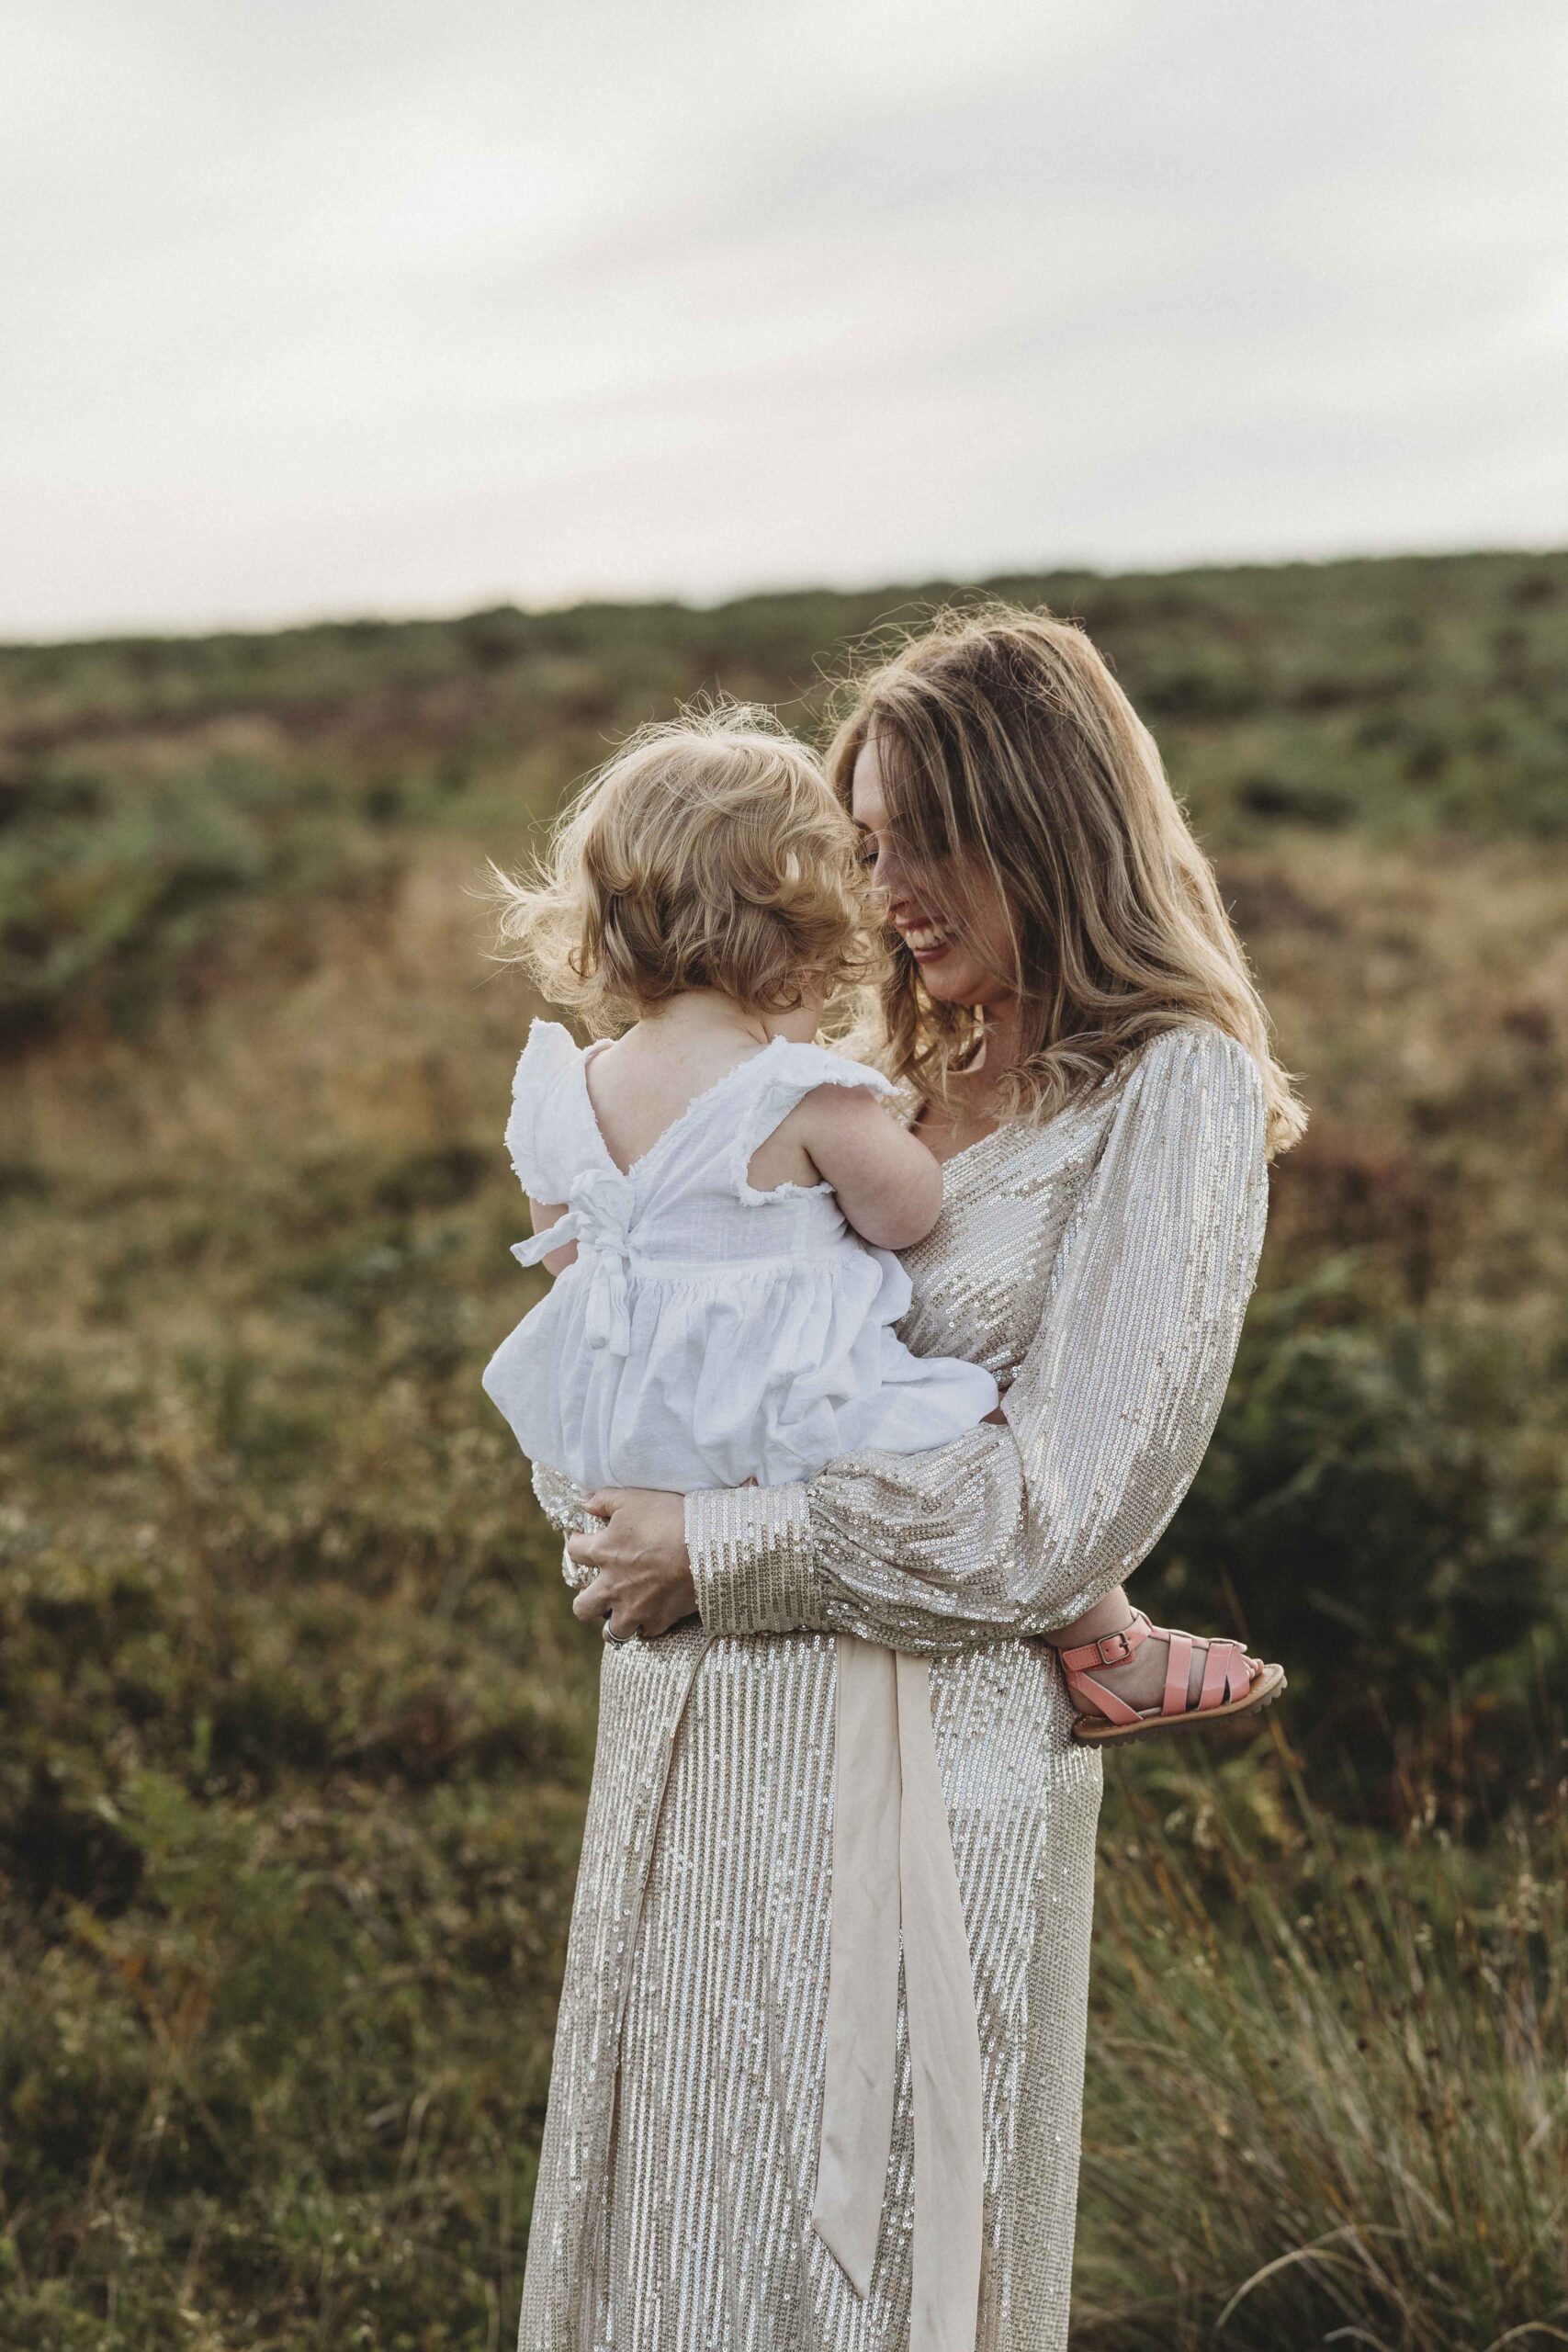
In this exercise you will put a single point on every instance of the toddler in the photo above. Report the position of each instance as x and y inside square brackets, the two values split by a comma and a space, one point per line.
[718, 1196]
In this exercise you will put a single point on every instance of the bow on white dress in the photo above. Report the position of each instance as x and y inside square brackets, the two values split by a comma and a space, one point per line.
[598, 1218]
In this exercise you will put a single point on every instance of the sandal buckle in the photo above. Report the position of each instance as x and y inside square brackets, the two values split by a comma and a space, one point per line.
[1114, 1649]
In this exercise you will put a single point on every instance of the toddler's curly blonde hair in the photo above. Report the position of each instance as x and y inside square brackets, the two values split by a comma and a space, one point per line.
[710, 853]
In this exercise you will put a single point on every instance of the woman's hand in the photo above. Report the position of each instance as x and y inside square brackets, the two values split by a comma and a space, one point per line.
[643, 1583]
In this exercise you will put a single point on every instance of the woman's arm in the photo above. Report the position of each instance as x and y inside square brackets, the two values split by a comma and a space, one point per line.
[1020, 1529]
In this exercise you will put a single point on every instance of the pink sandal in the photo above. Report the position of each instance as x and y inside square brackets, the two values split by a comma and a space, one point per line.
[1229, 1686]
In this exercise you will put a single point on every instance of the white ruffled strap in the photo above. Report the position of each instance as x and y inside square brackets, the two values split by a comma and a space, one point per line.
[598, 1218]
[785, 1074]
[536, 1126]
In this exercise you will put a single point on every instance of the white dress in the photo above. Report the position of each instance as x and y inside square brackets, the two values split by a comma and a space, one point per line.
[707, 1333]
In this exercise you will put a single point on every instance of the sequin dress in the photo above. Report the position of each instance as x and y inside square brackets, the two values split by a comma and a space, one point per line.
[1100, 1267]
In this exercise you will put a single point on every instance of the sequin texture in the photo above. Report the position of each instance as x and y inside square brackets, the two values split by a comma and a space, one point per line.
[1100, 1267]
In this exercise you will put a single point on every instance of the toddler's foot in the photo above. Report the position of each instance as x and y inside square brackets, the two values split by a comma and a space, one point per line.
[1155, 1678]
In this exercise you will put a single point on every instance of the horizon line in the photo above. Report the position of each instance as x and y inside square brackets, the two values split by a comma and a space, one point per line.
[436, 617]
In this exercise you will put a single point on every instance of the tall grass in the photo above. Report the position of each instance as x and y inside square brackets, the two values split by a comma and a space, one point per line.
[1328, 2096]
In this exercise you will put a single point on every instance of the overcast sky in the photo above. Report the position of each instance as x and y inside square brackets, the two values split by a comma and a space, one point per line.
[349, 306]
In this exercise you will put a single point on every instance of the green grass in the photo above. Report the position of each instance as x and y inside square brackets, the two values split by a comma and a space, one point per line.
[296, 1721]
[1326, 2097]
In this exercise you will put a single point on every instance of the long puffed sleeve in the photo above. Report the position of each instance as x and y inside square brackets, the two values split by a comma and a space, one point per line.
[1018, 1528]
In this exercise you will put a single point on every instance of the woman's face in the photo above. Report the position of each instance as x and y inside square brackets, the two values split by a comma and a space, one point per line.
[923, 908]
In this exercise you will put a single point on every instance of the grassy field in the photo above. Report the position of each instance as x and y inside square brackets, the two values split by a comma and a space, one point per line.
[297, 1722]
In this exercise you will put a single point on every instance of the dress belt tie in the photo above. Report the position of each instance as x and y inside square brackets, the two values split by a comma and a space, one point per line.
[598, 1217]
[893, 1868]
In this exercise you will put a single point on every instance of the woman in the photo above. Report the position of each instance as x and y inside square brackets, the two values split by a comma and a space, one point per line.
[760, 2136]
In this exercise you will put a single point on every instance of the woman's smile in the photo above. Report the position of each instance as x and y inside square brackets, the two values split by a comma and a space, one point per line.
[927, 941]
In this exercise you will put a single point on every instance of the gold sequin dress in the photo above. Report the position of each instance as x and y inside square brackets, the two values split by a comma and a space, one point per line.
[1100, 1267]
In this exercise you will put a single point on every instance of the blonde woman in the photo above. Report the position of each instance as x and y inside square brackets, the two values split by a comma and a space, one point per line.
[820, 2061]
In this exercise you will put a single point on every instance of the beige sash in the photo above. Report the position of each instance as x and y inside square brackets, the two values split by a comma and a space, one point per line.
[892, 1867]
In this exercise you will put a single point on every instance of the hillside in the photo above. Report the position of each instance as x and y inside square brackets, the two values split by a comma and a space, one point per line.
[157, 792]
[297, 1725]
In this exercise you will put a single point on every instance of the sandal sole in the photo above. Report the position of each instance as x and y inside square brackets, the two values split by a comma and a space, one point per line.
[1262, 1694]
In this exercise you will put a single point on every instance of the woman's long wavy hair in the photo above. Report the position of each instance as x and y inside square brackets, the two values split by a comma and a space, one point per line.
[1010, 754]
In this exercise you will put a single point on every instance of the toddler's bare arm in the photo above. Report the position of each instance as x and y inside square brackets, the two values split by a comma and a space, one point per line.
[888, 1183]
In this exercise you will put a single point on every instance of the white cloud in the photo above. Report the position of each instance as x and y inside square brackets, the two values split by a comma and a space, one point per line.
[318, 305]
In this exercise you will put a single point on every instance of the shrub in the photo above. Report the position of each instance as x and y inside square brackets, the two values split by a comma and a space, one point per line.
[1373, 1513]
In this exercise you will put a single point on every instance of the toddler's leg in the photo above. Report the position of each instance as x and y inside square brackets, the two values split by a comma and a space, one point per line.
[1138, 1679]
[1107, 1616]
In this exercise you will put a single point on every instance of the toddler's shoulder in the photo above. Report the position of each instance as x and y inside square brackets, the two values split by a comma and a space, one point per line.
[799, 1092]
[816, 1091]
[801, 1069]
